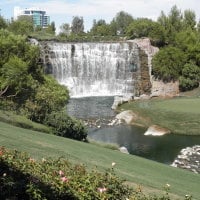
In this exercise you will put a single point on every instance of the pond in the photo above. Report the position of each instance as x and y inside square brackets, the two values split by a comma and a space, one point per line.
[163, 149]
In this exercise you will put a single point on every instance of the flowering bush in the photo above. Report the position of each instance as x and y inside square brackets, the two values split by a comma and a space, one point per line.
[22, 177]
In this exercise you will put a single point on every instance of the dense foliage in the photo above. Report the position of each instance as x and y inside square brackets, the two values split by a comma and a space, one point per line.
[168, 63]
[143, 27]
[25, 87]
[179, 59]
[65, 126]
[23, 177]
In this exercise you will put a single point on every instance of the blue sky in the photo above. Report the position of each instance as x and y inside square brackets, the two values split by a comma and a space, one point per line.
[62, 11]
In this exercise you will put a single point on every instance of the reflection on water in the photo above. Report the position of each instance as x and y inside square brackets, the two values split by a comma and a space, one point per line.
[91, 107]
[162, 149]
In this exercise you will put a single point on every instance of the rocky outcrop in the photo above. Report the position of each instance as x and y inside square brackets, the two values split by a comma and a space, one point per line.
[161, 89]
[118, 100]
[146, 52]
[145, 45]
[156, 130]
[127, 116]
[123, 150]
[189, 158]
[158, 88]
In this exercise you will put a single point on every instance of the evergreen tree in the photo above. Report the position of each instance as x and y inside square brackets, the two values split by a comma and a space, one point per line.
[77, 26]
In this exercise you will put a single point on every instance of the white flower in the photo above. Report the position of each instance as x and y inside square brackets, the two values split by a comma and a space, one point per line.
[101, 190]
[113, 164]
[167, 185]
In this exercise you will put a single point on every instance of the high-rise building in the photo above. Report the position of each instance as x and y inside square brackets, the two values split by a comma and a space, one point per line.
[40, 18]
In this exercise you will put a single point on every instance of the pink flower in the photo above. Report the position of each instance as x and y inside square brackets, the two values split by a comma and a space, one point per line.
[61, 173]
[101, 190]
[32, 160]
[64, 179]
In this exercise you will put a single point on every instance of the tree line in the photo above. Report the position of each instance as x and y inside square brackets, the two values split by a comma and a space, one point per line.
[176, 33]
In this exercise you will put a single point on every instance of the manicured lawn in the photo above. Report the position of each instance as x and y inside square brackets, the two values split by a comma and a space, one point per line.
[152, 175]
[180, 115]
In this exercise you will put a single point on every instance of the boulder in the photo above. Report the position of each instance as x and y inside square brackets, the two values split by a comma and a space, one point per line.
[127, 116]
[118, 100]
[123, 150]
[155, 130]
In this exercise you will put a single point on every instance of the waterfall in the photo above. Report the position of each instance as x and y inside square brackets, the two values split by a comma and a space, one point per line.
[95, 69]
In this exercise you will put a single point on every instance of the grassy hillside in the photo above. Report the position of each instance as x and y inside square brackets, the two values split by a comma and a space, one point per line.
[180, 115]
[152, 175]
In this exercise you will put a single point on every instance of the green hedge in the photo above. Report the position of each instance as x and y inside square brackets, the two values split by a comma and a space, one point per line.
[66, 126]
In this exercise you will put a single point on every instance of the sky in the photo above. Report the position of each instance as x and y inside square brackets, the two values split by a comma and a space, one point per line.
[62, 11]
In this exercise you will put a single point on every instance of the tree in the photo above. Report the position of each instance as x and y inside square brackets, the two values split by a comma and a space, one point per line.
[3, 23]
[120, 23]
[51, 29]
[15, 79]
[143, 27]
[175, 18]
[22, 26]
[163, 20]
[49, 96]
[77, 26]
[65, 29]
[100, 28]
[172, 24]
[189, 42]
[168, 63]
[189, 20]
[95, 25]
[190, 77]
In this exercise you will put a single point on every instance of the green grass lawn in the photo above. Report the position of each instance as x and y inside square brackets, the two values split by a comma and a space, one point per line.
[180, 115]
[151, 175]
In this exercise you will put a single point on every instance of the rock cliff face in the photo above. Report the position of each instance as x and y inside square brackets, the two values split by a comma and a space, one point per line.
[147, 51]
[159, 88]
[148, 83]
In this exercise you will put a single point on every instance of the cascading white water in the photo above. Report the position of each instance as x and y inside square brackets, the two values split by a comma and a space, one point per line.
[95, 69]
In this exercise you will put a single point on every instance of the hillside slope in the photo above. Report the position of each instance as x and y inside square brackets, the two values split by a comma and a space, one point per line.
[137, 170]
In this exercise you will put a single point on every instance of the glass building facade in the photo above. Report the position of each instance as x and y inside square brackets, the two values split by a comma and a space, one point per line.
[40, 18]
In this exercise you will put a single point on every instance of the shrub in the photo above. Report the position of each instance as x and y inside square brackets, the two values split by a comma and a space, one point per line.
[190, 77]
[49, 96]
[66, 126]
[22, 177]
[168, 63]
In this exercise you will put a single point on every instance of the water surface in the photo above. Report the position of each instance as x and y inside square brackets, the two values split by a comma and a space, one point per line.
[162, 149]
